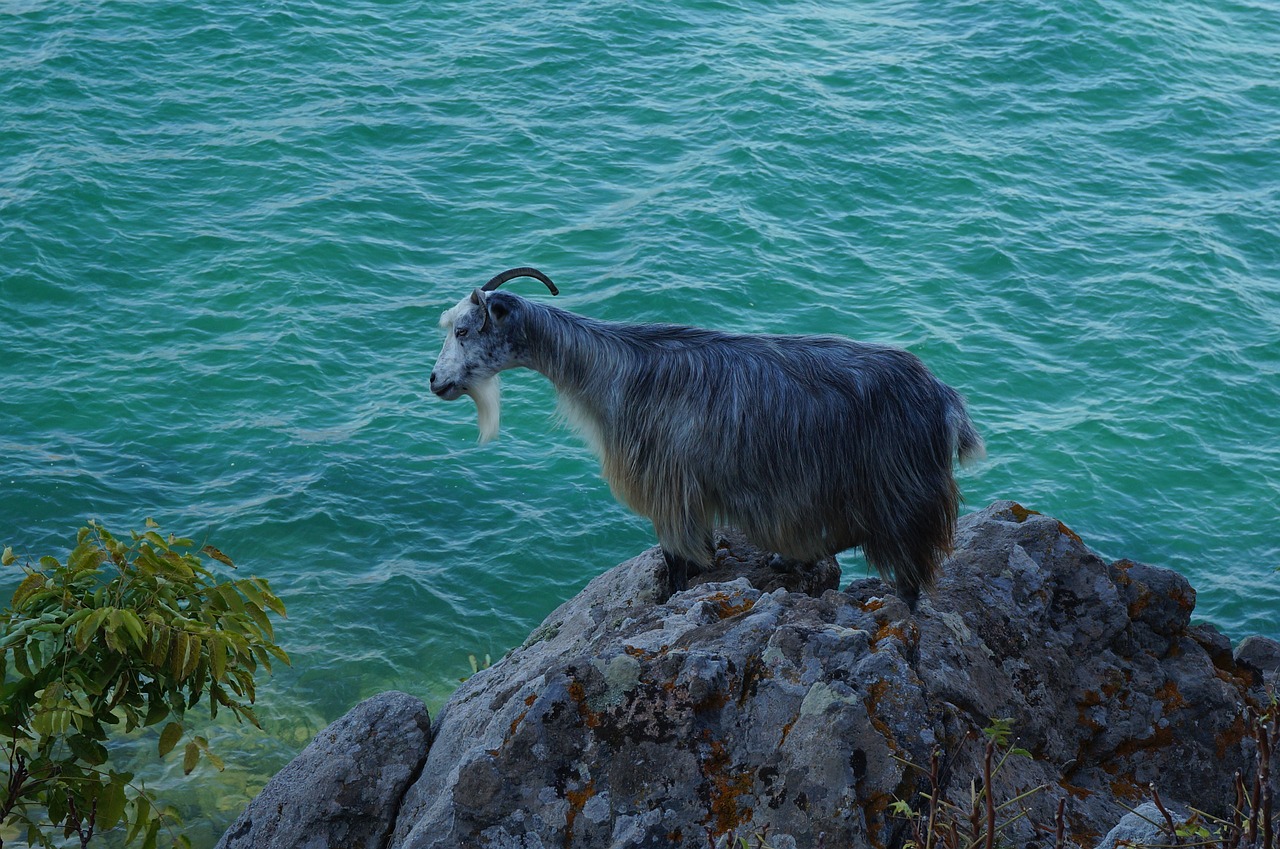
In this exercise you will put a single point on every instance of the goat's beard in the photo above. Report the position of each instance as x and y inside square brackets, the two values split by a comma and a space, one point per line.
[487, 394]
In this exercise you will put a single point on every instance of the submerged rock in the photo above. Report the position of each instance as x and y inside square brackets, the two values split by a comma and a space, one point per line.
[734, 709]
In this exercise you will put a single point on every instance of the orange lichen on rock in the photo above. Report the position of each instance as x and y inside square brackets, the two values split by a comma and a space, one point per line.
[1020, 513]
[1231, 737]
[1168, 695]
[1067, 532]
[875, 693]
[1125, 787]
[515, 723]
[1091, 698]
[577, 801]
[1161, 738]
[578, 693]
[786, 729]
[727, 788]
[725, 607]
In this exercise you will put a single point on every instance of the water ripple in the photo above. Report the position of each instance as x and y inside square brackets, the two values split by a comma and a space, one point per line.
[226, 231]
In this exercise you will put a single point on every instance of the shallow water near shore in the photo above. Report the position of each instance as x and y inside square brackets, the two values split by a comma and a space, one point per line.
[227, 230]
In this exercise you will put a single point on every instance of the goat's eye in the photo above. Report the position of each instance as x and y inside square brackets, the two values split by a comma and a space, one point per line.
[461, 333]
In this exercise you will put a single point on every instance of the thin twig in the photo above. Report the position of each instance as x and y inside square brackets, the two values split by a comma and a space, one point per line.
[991, 805]
[1234, 830]
[933, 799]
[1264, 772]
[975, 813]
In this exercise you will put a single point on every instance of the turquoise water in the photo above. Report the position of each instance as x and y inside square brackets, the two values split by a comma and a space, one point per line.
[227, 229]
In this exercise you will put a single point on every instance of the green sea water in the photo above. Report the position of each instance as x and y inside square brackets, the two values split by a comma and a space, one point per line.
[227, 230]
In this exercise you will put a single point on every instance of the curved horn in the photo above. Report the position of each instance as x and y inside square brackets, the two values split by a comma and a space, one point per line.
[513, 273]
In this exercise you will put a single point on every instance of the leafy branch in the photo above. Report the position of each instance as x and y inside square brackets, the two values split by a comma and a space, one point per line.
[124, 634]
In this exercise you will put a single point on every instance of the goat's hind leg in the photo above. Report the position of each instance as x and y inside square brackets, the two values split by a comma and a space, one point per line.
[679, 571]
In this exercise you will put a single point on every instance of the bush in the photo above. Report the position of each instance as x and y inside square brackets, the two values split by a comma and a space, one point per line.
[123, 635]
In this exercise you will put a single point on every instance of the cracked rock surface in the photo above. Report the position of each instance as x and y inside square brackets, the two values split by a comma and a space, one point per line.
[742, 706]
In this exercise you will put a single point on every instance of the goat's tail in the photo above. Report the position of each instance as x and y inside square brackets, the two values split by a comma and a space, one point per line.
[964, 436]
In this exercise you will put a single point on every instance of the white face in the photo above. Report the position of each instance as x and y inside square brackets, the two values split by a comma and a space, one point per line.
[452, 374]
[469, 362]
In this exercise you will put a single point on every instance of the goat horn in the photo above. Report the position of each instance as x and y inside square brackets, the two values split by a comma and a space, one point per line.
[512, 273]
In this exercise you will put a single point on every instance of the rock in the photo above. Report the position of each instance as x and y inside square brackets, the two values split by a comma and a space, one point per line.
[736, 557]
[723, 708]
[1262, 654]
[343, 790]
[1107, 685]
[741, 709]
[1144, 826]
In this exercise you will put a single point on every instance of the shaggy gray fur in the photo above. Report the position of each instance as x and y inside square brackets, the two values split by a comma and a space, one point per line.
[809, 444]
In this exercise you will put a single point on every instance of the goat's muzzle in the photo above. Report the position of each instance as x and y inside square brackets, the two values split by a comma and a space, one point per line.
[448, 390]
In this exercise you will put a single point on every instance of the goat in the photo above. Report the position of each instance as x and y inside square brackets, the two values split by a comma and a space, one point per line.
[809, 444]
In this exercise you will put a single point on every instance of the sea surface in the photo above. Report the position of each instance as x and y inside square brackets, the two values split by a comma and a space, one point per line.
[227, 230]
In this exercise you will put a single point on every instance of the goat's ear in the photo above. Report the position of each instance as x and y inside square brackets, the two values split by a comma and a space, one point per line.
[481, 299]
[499, 307]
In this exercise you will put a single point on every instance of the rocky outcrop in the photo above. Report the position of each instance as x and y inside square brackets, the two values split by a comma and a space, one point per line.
[628, 720]
[346, 786]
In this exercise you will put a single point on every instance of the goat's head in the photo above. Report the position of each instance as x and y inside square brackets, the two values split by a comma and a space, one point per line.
[478, 344]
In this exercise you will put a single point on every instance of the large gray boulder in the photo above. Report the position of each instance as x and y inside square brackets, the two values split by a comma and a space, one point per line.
[344, 788]
[780, 707]
[1145, 826]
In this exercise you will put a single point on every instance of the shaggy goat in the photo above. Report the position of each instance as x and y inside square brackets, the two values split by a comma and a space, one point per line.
[809, 444]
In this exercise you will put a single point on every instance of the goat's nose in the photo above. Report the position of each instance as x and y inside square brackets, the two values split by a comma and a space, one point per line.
[433, 378]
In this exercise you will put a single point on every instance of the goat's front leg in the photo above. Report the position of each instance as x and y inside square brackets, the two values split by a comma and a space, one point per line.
[687, 547]
[679, 571]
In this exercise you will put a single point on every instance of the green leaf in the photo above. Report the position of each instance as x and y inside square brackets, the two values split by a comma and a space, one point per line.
[217, 555]
[261, 620]
[142, 816]
[111, 803]
[230, 598]
[902, 808]
[193, 658]
[217, 657]
[86, 557]
[251, 592]
[90, 751]
[272, 601]
[88, 629]
[99, 652]
[178, 653]
[33, 583]
[133, 625]
[212, 758]
[263, 657]
[169, 737]
[156, 709]
[20, 661]
[8, 558]
[158, 648]
[74, 618]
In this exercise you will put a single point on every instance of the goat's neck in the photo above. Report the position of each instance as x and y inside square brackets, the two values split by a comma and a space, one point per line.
[580, 356]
